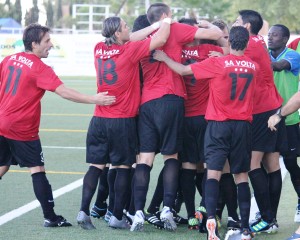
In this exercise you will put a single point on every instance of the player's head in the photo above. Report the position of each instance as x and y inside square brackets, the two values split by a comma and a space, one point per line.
[34, 33]
[188, 21]
[223, 26]
[278, 36]
[140, 22]
[238, 38]
[156, 10]
[250, 19]
[115, 31]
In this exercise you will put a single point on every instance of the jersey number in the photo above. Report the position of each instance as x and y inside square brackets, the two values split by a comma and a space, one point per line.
[107, 71]
[235, 77]
[12, 69]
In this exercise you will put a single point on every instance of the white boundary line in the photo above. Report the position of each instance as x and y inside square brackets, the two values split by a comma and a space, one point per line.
[34, 204]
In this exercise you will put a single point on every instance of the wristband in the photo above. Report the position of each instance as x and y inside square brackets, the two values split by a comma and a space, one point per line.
[278, 113]
[167, 20]
[155, 26]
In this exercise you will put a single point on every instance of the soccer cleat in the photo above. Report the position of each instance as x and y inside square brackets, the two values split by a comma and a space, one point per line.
[201, 215]
[246, 234]
[297, 214]
[59, 222]
[193, 223]
[212, 230]
[166, 216]
[107, 216]
[138, 222]
[120, 224]
[154, 220]
[97, 212]
[178, 219]
[233, 224]
[264, 227]
[129, 217]
[295, 236]
[85, 221]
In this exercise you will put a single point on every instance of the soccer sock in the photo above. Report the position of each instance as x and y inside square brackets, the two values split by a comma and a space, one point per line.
[158, 194]
[103, 190]
[275, 186]
[141, 184]
[261, 192]
[220, 204]
[43, 192]
[198, 182]
[171, 171]
[187, 179]
[228, 191]
[111, 177]
[294, 170]
[90, 182]
[211, 196]
[179, 195]
[131, 208]
[244, 199]
[202, 202]
[130, 190]
[121, 190]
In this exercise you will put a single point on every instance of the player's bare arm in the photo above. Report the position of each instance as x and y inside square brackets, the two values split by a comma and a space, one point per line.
[208, 30]
[175, 66]
[101, 98]
[281, 65]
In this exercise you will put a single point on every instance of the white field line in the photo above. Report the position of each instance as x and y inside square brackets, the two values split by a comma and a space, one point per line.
[254, 207]
[34, 204]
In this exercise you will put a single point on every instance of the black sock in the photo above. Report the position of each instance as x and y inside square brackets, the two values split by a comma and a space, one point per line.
[171, 171]
[90, 182]
[103, 190]
[202, 202]
[292, 166]
[198, 182]
[244, 199]
[121, 190]
[131, 208]
[187, 179]
[43, 192]
[130, 190]
[275, 186]
[179, 195]
[158, 194]
[228, 191]
[111, 177]
[211, 196]
[261, 192]
[141, 184]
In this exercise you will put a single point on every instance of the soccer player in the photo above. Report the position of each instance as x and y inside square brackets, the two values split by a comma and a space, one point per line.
[295, 45]
[112, 133]
[24, 78]
[161, 116]
[229, 114]
[265, 143]
[286, 68]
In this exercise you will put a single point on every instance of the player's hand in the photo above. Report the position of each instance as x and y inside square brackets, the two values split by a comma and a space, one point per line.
[204, 24]
[103, 99]
[215, 54]
[159, 55]
[273, 121]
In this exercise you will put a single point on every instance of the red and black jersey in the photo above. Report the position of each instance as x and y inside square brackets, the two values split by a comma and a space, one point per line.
[266, 96]
[197, 91]
[159, 79]
[24, 78]
[117, 68]
[231, 86]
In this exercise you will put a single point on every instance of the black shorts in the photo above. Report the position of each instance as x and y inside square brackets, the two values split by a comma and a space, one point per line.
[229, 139]
[160, 125]
[23, 153]
[265, 140]
[293, 141]
[111, 140]
[193, 139]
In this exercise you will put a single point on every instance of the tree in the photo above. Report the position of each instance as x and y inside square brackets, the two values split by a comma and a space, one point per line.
[50, 14]
[59, 13]
[33, 15]
[17, 15]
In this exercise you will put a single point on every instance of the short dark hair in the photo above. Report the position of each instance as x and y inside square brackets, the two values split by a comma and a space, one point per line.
[33, 33]
[284, 30]
[156, 10]
[238, 38]
[188, 21]
[110, 26]
[140, 22]
[254, 18]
